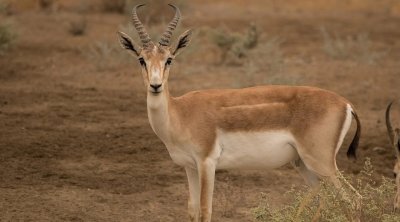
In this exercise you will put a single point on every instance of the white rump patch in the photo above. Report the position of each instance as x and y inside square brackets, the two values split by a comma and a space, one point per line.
[345, 129]
[255, 150]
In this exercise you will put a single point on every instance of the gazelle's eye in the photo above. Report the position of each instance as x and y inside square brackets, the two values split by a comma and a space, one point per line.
[142, 62]
[168, 62]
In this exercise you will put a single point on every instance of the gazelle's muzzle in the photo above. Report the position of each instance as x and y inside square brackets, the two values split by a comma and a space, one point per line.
[155, 79]
[155, 88]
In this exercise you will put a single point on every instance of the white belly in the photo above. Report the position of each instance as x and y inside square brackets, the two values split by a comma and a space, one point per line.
[255, 150]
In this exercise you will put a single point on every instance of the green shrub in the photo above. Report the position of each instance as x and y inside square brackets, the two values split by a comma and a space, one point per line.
[6, 37]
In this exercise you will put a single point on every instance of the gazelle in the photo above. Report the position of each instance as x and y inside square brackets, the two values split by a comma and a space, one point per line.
[261, 127]
[394, 136]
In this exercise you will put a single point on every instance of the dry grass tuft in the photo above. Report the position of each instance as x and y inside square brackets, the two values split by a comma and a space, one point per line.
[105, 55]
[327, 204]
[357, 48]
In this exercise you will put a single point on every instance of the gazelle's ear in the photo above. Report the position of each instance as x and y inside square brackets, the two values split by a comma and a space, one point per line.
[128, 43]
[183, 41]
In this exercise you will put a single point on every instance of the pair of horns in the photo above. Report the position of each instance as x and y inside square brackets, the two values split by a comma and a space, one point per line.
[393, 134]
[166, 36]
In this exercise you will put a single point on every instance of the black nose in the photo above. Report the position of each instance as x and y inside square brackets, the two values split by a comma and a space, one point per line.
[155, 86]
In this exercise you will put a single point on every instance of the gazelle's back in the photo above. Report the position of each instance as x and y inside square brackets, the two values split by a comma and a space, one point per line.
[257, 108]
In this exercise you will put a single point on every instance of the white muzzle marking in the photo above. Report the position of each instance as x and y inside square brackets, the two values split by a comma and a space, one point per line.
[155, 76]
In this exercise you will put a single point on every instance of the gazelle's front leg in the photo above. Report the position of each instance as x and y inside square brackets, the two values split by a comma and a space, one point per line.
[206, 171]
[194, 194]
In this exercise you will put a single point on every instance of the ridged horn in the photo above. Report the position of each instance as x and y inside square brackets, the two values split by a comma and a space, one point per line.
[166, 36]
[389, 124]
[143, 35]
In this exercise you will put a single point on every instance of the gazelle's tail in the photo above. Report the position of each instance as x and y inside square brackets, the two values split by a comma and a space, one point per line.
[351, 152]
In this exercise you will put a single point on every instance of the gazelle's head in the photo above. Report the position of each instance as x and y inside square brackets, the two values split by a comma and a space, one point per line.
[155, 59]
[394, 135]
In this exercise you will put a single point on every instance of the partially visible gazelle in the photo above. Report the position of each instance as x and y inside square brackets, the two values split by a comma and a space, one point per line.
[394, 136]
[261, 127]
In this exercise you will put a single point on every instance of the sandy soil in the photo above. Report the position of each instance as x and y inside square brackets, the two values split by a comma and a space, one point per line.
[75, 142]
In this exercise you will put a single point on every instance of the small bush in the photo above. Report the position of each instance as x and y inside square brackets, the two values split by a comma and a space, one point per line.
[235, 46]
[78, 27]
[6, 37]
[115, 6]
[357, 48]
[327, 204]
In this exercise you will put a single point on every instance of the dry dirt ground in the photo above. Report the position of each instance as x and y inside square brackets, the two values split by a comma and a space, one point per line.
[75, 143]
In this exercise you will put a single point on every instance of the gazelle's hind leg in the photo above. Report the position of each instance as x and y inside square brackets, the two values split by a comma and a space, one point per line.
[318, 149]
[341, 184]
[325, 167]
[309, 176]
[311, 179]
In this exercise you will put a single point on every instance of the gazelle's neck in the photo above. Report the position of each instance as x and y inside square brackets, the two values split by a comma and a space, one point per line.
[158, 113]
